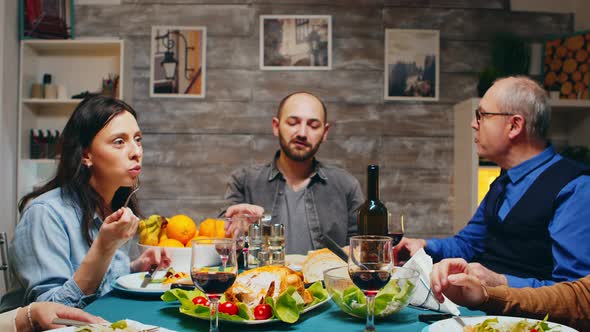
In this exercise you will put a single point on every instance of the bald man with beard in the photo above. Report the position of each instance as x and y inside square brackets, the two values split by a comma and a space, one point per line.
[307, 196]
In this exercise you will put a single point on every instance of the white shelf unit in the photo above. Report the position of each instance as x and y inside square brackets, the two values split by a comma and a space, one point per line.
[78, 65]
[570, 124]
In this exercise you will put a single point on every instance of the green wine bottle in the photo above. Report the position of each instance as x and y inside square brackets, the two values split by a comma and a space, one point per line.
[372, 217]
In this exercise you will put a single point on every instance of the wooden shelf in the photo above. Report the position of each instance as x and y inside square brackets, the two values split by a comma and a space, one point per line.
[35, 102]
[40, 161]
[75, 47]
[77, 65]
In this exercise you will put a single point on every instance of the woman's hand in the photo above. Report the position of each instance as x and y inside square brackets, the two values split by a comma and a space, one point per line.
[43, 314]
[117, 229]
[151, 256]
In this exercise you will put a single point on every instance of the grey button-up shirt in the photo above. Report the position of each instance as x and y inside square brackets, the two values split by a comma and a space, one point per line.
[332, 197]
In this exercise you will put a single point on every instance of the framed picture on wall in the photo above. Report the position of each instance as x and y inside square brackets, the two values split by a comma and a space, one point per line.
[178, 62]
[295, 42]
[411, 65]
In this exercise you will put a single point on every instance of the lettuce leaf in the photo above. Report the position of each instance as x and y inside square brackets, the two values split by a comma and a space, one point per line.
[288, 306]
[389, 300]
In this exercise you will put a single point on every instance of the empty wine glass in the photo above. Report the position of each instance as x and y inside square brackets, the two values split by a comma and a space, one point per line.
[369, 265]
[213, 270]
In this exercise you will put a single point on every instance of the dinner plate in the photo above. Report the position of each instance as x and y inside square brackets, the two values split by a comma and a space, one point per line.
[131, 283]
[132, 323]
[450, 325]
[265, 321]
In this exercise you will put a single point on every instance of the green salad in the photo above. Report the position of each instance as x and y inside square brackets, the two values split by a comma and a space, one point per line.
[391, 299]
[287, 308]
[493, 325]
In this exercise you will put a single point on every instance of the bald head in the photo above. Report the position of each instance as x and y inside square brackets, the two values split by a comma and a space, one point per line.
[302, 97]
[521, 95]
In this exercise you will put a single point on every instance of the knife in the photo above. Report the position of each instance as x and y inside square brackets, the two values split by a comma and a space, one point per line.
[148, 276]
[73, 322]
[335, 248]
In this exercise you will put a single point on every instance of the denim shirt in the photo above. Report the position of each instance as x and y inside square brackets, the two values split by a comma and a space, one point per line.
[47, 248]
[331, 200]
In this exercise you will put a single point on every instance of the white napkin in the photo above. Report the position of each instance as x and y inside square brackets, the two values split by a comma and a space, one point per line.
[422, 297]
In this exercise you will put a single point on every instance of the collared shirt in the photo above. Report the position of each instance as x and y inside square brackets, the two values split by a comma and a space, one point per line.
[331, 198]
[47, 249]
[568, 229]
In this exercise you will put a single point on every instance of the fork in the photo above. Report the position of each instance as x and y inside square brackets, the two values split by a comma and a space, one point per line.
[132, 193]
[73, 322]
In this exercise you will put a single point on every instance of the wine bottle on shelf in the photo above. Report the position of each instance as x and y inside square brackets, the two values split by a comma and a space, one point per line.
[372, 217]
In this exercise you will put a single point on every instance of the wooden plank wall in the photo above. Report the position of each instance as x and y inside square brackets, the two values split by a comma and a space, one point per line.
[191, 146]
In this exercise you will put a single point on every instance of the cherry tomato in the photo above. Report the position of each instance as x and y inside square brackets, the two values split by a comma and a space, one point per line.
[262, 311]
[229, 308]
[201, 300]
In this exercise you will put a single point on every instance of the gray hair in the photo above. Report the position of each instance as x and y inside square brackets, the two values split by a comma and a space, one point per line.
[521, 95]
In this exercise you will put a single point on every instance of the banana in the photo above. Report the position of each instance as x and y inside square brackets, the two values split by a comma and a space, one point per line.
[149, 230]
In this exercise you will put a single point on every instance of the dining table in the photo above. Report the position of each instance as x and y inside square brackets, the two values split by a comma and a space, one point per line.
[327, 317]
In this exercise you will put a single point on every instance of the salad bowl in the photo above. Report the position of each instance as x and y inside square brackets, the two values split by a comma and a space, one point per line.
[390, 300]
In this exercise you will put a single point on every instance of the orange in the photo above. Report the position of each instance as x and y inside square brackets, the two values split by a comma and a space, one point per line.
[189, 242]
[212, 228]
[181, 228]
[171, 243]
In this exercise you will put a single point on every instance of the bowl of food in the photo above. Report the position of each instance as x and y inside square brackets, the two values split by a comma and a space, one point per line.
[390, 300]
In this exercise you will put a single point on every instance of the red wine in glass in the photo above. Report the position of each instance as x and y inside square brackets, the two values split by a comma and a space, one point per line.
[370, 281]
[213, 283]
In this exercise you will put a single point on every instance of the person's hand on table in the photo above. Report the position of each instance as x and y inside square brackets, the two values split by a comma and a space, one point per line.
[406, 248]
[159, 256]
[43, 313]
[449, 277]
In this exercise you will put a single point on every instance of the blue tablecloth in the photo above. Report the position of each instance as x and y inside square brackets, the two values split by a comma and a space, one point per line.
[328, 317]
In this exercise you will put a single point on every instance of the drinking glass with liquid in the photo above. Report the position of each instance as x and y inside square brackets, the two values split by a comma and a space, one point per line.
[276, 238]
[255, 242]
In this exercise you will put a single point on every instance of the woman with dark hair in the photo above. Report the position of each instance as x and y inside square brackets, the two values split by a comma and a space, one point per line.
[72, 238]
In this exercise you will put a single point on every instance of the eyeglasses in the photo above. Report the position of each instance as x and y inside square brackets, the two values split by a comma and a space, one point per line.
[479, 114]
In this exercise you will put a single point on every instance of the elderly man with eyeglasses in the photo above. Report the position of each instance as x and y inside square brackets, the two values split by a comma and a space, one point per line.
[533, 227]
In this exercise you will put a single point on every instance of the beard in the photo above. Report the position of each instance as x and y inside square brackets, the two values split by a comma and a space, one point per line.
[295, 154]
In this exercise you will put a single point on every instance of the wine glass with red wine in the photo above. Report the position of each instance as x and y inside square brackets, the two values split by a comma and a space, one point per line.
[370, 263]
[214, 269]
[395, 228]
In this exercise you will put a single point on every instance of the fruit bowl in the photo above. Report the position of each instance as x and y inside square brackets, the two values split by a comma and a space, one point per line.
[390, 300]
[175, 234]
